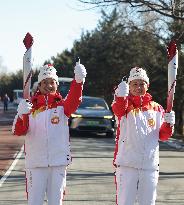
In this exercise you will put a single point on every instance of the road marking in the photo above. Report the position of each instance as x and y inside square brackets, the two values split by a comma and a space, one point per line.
[8, 172]
[15, 155]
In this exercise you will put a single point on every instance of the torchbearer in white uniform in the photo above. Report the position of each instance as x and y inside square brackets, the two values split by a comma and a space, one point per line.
[47, 144]
[141, 124]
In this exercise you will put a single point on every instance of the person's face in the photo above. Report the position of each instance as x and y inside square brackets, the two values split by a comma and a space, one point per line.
[47, 86]
[138, 87]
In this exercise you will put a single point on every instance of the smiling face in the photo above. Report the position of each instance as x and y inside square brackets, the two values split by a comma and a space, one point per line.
[138, 87]
[47, 86]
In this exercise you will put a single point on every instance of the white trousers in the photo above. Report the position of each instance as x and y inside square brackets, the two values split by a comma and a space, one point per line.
[132, 183]
[46, 180]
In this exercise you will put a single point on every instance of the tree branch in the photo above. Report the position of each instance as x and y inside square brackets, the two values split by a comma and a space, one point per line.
[162, 7]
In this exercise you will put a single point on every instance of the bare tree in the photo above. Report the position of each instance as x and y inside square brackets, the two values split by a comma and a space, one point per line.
[173, 9]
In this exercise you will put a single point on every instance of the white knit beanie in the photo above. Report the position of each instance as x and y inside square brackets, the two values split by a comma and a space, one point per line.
[138, 73]
[47, 71]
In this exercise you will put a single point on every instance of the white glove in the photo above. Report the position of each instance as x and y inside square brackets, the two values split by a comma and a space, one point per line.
[80, 73]
[24, 107]
[170, 117]
[122, 89]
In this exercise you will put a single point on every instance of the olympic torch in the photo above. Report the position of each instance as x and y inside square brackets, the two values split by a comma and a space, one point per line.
[172, 73]
[27, 69]
[27, 65]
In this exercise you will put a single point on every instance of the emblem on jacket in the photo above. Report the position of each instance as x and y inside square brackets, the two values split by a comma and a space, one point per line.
[135, 111]
[151, 122]
[55, 120]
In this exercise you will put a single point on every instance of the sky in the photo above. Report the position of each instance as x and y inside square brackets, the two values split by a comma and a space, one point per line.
[54, 25]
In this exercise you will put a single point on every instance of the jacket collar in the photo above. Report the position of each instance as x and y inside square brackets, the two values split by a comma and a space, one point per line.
[40, 100]
[139, 101]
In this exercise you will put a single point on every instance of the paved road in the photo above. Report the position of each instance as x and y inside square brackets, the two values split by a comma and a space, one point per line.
[90, 179]
[171, 183]
[9, 144]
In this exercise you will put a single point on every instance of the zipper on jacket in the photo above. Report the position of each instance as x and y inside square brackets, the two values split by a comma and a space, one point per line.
[46, 128]
[141, 102]
[46, 101]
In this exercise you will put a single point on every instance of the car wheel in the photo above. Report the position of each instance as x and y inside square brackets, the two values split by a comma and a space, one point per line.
[110, 134]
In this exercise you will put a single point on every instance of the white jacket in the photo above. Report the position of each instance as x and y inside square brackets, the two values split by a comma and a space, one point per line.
[140, 127]
[47, 133]
[138, 143]
[47, 144]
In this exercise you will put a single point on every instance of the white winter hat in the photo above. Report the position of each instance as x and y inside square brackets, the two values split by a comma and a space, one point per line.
[138, 73]
[47, 71]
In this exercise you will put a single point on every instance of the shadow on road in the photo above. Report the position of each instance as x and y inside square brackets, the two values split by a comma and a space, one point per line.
[170, 175]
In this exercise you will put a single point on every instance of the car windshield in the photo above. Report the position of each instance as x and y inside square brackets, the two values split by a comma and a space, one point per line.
[93, 103]
[64, 88]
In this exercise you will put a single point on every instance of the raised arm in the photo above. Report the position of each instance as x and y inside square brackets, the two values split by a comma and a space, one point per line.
[119, 106]
[74, 96]
[120, 102]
